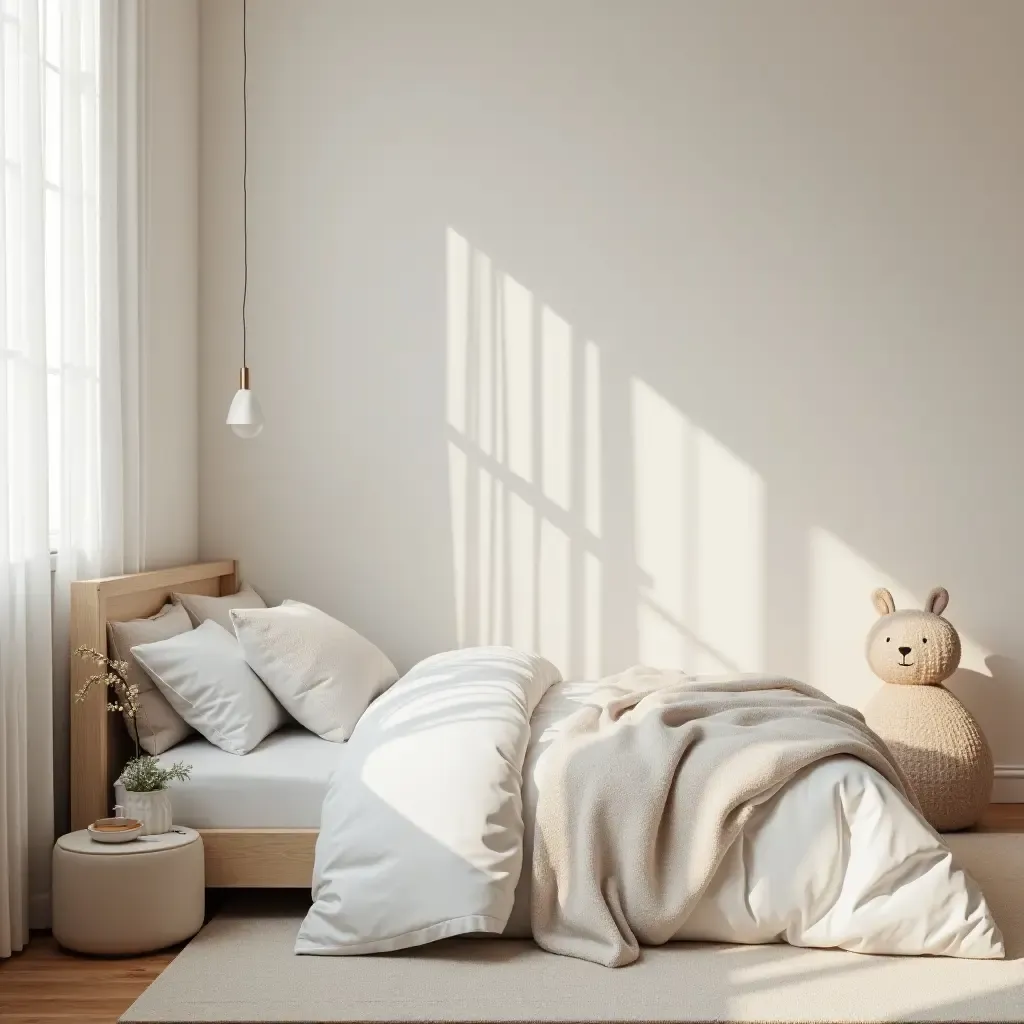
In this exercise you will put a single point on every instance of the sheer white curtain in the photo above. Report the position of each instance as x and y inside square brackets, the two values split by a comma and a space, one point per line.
[69, 315]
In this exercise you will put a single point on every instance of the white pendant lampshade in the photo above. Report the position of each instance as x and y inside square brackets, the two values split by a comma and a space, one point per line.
[245, 417]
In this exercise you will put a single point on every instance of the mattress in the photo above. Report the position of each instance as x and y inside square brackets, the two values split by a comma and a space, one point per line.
[280, 784]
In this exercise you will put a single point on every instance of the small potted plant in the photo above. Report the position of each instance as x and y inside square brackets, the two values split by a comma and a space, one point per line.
[146, 796]
[144, 778]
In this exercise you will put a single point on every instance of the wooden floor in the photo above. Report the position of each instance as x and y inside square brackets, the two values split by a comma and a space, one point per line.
[1003, 818]
[46, 985]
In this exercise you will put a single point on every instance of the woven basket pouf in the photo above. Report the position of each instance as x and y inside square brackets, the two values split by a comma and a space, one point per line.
[940, 748]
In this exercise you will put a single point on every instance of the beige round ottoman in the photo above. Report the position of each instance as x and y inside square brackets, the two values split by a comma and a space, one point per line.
[120, 898]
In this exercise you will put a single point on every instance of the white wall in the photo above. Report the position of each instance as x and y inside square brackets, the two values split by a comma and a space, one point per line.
[171, 282]
[629, 331]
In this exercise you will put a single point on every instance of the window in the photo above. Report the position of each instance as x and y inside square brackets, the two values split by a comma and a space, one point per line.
[49, 261]
[49, 379]
[69, 52]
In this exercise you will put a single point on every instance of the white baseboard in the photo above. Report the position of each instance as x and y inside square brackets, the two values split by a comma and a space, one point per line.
[1009, 784]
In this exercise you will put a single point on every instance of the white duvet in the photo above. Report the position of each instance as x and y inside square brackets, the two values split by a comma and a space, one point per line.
[427, 832]
[838, 858]
[421, 835]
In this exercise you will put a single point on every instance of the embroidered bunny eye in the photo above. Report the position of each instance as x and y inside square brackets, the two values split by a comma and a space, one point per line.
[924, 639]
[886, 639]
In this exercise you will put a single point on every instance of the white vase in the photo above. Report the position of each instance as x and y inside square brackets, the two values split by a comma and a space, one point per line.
[152, 809]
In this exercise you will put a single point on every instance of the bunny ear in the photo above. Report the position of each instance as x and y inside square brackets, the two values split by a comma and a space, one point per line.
[937, 601]
[883, 602]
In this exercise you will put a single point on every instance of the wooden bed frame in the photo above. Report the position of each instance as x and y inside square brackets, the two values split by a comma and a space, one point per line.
[100, 745]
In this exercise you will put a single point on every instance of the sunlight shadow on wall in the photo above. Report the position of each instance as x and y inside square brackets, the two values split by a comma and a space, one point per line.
[529, 476]
[662, 460]
[842, 614]
[523, 473]
[699, 522]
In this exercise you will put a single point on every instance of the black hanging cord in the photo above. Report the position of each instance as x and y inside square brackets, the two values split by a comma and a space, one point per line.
[245, 173]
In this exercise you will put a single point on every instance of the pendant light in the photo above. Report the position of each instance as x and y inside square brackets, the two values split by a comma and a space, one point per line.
[245, 417]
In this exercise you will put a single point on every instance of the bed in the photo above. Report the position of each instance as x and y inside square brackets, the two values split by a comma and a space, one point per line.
[253, 835]
[516, 768]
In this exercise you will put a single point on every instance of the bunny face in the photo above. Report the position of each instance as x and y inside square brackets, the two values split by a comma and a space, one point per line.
[913, 647]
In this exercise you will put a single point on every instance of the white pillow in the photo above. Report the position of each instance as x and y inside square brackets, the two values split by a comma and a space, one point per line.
[324, 673]
[421, 833]
[206, 680]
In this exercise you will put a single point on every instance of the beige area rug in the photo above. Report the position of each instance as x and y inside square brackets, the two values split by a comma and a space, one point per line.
[241, 968]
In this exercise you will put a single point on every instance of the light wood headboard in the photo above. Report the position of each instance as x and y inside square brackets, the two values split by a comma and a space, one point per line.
[99, 741]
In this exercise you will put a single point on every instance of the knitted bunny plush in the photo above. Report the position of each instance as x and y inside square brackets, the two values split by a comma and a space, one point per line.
[913, 647]
[931, 735]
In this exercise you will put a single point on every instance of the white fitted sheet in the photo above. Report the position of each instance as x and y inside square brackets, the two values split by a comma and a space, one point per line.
[280, 784]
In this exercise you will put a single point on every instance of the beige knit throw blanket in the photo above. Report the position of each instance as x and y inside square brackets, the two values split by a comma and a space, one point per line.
[642, 795]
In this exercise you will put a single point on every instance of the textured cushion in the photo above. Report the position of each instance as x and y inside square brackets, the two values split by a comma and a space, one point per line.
[322, 671]
[160, 726]
[206, 680]
[200, 608]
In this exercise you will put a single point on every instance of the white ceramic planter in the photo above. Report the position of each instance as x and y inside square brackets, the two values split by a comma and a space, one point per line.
[152, 809]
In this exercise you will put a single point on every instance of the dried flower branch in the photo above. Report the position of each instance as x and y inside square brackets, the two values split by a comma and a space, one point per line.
[115, 678]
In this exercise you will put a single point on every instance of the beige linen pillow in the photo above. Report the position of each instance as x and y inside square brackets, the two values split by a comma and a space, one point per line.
[160, 726]
[200, 607]
[323, 672]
